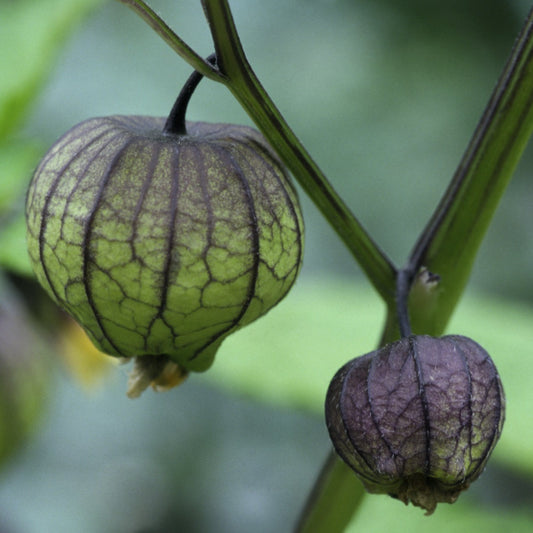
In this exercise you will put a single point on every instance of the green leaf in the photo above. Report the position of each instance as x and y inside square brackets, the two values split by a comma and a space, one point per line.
[31, 36]
[289, 356]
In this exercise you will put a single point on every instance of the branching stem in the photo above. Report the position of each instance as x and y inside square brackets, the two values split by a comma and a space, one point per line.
[448, 244]
[234, 71]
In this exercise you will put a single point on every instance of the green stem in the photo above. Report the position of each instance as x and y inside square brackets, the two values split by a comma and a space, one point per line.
[449, 243]
[243, 83]
[335, 495]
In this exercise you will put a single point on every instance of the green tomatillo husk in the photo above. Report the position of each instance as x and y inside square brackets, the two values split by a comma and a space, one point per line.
[160, 244]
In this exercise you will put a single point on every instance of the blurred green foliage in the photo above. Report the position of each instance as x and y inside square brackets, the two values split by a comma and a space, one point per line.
[385, 95]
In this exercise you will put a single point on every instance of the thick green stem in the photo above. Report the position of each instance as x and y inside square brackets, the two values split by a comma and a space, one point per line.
[242, 82]
[449, 243]
[331, 505]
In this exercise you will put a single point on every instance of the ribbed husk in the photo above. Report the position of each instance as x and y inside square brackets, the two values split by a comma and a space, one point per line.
[162, 245]
[419, 418]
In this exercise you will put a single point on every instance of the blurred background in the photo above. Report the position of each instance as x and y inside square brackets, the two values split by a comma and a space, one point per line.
[385, 95]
